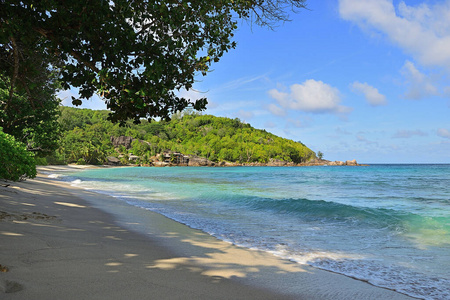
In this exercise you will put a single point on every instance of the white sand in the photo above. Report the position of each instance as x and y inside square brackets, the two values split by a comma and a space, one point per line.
[60, 242]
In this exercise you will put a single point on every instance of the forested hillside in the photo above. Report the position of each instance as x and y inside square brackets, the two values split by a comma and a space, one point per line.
[86, 138]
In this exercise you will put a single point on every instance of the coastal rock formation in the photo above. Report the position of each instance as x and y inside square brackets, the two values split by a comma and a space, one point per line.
[277, 163]
[228, 164]
[351, 162]
[114, 161]
[122, 141]
[342, 163]
[197, 161]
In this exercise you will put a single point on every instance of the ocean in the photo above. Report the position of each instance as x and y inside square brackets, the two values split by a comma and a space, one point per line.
[388, 225]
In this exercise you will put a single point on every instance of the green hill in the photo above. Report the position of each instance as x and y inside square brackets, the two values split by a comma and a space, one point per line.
[86, 138]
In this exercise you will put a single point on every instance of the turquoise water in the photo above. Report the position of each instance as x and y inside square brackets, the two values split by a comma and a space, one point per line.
[387, 224]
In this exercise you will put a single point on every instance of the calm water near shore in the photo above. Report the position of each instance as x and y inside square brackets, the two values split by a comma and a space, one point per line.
[386, 224]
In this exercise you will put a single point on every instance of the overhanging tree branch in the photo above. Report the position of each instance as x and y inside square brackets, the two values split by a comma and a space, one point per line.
[15, 50]
[100, 45]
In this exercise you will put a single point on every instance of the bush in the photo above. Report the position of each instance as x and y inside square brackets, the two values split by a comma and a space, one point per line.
[16, 162]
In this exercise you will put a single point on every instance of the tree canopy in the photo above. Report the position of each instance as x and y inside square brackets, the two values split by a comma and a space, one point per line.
[135, 54]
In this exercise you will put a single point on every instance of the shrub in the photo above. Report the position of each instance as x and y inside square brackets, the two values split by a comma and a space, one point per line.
[16, 162]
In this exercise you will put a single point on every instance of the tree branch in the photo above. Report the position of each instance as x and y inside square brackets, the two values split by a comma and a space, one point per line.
[30, 96]
[76, 55]
[16, 70]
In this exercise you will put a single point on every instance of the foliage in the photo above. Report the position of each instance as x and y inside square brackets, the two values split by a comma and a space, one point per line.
[85, 146]
[319, 155]
[87, 136]
[15, 161]
[224, 139]
[31, 116]
[135, 54]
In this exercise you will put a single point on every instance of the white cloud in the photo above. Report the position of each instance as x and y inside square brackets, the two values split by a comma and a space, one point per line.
[405, 134]
[422, 31]
[420, 86]
[276, 110]
[370, 93]
[445, 133]
[311, 96]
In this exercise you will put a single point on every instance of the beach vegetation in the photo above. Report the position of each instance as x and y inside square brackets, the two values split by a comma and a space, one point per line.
[16, 163]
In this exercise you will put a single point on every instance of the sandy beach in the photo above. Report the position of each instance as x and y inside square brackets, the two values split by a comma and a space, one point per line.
[61, 242]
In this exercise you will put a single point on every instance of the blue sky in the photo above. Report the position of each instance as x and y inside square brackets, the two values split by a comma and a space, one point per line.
[354, 79]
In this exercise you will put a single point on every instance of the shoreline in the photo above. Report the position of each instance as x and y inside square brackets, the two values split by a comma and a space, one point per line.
[59, 241]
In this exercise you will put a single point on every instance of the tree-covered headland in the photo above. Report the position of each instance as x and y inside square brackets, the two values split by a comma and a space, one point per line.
[86, 138]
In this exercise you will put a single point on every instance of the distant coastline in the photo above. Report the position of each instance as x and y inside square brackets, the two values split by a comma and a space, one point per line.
[172, 158]
[195, 161]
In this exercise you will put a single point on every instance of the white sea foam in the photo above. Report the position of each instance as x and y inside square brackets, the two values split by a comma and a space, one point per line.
[76, 182]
